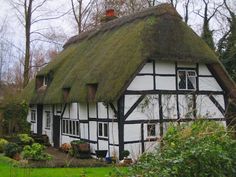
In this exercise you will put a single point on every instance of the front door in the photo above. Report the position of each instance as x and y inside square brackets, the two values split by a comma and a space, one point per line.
[39, 119]
[56, 131]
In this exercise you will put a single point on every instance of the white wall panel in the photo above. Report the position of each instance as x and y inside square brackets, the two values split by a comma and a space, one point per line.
[102, 110]
[73, 111]
[92, 110]
[165, 83]
[209, 84]
[165, 68]
[147, 68]
[141, 83]
[134, 149]
[206, 108]
[103, 145]
[129, 101]
[83, 113]
[84, 131]
[132, 132]
[203, 70]
[93, 130]
[113, 133]
[169, 106]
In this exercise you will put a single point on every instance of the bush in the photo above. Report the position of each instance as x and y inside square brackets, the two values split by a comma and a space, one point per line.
[11, 149]
[25, 139]
[3, 143]
[65, 147]
[35, 152]
[201, 149]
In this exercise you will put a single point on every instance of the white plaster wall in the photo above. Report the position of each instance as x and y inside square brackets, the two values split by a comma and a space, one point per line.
[134, 149]
[203, 70]
[129, 101]
[169, 106]
[186, 106]
[220, 99]
[209, 84]
[93, 130]
[114, 151]
[103, 145]
[67, 111]
[102, 110]
[132, 132]
[92, 110]
[84, 130]
[165, 83]
[207, 109]
[141, 83]
[147, 68]
[165, 68]
[83, 113]
[73, 111]
[142, 111]
[150, 146]
[111, 113]
[93, 148]
[113, 133]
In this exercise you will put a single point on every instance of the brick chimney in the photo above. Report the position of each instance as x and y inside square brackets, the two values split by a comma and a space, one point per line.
[109, 15]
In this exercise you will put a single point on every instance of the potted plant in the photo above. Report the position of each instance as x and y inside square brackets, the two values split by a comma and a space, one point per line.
[127, 160]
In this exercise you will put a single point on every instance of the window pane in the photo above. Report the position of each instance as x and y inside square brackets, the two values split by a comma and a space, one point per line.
[151, 128]
[77, 128]
[70, 128]
[182, 79]
[105, 130]
[63, 126]
[100, 129]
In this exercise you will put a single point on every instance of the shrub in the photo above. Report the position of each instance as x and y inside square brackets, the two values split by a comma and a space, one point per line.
[3, 143]
[35, 152]
[11, 149]
[125, 153]
[65, 147]
[25, 139]
[202, 149]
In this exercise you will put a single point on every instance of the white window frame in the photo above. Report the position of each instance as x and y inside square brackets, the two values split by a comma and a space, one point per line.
[33, 116]
[104, 127]
[151, 124]
[70, 127]
[48, 120]
[187, 78]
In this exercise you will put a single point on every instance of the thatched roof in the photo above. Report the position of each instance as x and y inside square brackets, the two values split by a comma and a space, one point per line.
[113, 53]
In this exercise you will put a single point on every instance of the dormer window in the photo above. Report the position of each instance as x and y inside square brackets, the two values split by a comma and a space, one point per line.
[186, 79]
[46, 80]
[92, 89]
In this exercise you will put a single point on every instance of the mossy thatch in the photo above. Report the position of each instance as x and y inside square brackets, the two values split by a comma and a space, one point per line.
[112, 54]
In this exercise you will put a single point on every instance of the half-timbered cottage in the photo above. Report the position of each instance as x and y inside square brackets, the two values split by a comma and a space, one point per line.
[122, 84]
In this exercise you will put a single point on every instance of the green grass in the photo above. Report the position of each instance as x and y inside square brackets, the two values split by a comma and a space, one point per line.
[9, 168]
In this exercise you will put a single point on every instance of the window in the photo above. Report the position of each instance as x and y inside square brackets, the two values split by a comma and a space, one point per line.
[48, 120]
[102, 129]
[186, 80]
[33, 116]
[46, 80]
[151, 130]
[70, 127]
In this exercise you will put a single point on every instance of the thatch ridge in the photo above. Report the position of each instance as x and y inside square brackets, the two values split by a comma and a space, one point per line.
[152, 11]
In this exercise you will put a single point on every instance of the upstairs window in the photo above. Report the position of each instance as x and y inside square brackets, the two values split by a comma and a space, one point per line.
[46, 80]
[187, 79]
[33, 116]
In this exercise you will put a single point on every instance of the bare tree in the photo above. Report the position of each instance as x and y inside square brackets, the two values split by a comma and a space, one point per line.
[28, 15]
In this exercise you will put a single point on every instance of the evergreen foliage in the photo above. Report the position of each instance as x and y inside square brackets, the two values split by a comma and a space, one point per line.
[203, 148]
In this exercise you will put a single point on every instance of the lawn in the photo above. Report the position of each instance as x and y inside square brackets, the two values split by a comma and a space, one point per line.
[9, 168]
